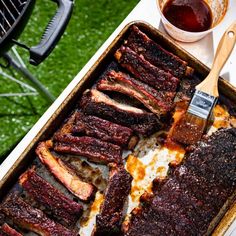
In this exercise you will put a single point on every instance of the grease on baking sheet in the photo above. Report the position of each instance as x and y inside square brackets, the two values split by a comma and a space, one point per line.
[135, 167]
[138, 171]
[222, 117]
[88, 223]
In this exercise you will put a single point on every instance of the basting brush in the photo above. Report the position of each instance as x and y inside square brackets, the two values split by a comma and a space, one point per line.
[190, 128]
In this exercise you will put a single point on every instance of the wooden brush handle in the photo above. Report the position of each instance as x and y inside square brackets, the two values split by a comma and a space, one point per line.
[225, 47]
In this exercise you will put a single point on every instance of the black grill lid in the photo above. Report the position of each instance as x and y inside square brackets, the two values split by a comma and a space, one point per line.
[10, 10]
[14, 15]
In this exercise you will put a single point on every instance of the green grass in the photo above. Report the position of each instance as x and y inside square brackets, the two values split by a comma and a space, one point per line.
[91, 24]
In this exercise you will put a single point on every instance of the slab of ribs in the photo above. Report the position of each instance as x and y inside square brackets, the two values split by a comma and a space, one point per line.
[156, 55]
[31, 218]
[191, 197]
[142, 122]
[104, 130]
[158, 102]
[61, 207]
[64, 173]
[102, 126]
[108, 221]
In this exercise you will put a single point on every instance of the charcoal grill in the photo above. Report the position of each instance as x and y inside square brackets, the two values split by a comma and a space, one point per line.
[14, 15]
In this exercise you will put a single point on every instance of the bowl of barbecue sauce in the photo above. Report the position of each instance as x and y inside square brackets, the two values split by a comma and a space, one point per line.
[191, 20]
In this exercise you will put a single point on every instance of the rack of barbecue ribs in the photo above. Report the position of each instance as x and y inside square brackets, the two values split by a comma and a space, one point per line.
[104, 130]
[108, 221]
[97, 103]
[158, 102]
[145, 71]
[61, 207]
[156, 55]
[187, 201]
[30, 218]
[64, 173]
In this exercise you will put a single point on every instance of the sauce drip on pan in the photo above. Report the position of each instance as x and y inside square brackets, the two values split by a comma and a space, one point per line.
[188, 15]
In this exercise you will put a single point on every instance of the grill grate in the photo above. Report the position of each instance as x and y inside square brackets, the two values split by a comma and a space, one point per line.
[10, 10]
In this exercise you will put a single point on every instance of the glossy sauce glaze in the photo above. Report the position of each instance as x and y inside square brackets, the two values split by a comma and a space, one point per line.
[188, 15]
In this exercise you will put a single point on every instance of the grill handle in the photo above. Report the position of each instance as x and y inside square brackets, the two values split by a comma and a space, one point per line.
[53, 32]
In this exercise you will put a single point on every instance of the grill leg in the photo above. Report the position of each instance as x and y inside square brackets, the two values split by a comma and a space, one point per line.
[30, 90]
[19, 65]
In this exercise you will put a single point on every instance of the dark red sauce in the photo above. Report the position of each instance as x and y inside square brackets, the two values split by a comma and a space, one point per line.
[188, 15]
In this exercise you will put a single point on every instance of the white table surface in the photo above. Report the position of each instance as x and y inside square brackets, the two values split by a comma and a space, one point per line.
[146, 10]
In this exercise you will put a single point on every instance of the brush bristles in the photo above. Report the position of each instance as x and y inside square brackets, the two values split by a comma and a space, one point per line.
[189, 129]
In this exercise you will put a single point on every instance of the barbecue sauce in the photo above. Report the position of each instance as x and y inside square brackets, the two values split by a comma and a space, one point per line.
[189, 15]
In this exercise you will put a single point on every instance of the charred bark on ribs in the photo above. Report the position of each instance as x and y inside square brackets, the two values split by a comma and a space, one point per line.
[145, 71]
[94, 149]
[96, 103]
[97, 139]
[108, 221]
[27, 217]
[104, 130]
[159, 102]
[156, 55]
[64, 173]
[194, 192]
[61, 207]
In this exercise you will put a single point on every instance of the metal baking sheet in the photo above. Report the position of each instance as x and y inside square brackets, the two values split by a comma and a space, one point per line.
[153, 157]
